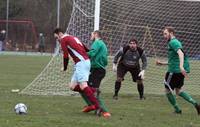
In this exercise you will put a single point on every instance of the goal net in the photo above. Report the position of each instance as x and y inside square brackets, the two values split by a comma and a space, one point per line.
[21, 35]
[121, 20]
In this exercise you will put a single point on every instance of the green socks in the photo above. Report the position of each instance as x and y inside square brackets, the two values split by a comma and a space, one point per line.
[101, 102]
[172, 101]
[85, 98]
[188, 98]
[184, 95]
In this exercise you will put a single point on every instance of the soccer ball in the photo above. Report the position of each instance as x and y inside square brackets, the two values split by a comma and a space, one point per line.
[20, 109]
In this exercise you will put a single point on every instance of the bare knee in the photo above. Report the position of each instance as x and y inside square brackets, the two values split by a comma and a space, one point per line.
[177, 91]
[72, 85]
[83, 85]
[167, 91]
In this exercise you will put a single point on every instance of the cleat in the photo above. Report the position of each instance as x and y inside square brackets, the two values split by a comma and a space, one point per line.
[198, 108]
[89, 108]
[178, 112]
[142, 98]
[106, 114]
[115, 97]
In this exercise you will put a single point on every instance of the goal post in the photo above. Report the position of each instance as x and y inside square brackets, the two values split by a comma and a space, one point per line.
[119, 21]
[22, 35]
[97, 14]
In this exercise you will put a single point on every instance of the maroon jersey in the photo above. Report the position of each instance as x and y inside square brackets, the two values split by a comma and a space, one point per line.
[73, 46]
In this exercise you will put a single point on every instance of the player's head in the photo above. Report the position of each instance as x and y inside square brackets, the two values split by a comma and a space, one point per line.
[133, 43]
[95, 35]
[3, 31]
[168, 33]
[58, 33]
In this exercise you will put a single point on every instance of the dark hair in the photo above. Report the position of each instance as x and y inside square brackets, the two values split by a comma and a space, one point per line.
[98, 33]
[170, 29]
[133, 40]
[57, 31]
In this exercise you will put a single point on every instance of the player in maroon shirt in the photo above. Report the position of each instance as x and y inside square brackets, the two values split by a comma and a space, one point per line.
[75, 48]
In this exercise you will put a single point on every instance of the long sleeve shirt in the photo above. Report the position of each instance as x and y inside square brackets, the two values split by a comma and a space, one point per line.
[131, 57]
[98, 54]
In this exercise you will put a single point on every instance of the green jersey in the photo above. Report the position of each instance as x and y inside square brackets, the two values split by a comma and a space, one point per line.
[173, 58]
[98, 54]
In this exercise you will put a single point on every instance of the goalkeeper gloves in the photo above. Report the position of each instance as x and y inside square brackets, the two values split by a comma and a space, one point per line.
[141, 74]
[114, 67]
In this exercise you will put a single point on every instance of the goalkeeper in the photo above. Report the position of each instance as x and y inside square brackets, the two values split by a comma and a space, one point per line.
[128, 57]
[98, 57]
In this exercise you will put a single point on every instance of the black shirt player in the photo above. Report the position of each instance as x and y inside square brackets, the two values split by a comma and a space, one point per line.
[127, 60]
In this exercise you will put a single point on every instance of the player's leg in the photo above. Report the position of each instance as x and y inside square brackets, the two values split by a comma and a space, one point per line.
[179, 91]
[140, 88]
[75, 87]
[121, 71]
[189, 99]
[95, 78]
[169, 80]
[43, 48]
[82, 72]
[91, 83]
[136, 78]
[86, 100]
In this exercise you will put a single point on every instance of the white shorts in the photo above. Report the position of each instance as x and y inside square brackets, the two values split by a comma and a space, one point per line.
[81, 71]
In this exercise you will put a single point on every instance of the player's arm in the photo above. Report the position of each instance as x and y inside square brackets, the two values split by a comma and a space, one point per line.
[65, 56]
[158, 62]
[117, 58]
[144, 65]
[144, 61]
[118, 55]
[94, 50]
[181, 59]
[86, 48]
[65, 63]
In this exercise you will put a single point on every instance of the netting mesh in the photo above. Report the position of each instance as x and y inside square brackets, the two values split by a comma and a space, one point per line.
[22, 35]
[120, 20]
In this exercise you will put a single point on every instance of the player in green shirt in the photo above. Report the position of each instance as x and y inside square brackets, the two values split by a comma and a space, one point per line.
[98, 55]
[178, 68]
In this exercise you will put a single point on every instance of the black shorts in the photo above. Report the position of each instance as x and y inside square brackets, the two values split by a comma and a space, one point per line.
[96, 76]
[122, 70]
[174, 80]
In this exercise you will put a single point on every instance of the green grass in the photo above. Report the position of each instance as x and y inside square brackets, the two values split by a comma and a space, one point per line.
[16, 72]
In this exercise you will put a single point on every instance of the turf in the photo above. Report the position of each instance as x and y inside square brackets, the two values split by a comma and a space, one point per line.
[16, 72]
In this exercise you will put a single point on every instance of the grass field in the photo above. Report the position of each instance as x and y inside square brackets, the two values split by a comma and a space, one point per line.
[16, 72]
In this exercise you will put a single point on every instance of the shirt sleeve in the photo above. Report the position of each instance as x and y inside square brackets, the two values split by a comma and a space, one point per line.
[64, 49]
[144, 61]
[175, 45]
[94, 49]
[118, 55]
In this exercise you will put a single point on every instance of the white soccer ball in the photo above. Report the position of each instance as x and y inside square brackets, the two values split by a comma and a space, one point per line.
[20, 108]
